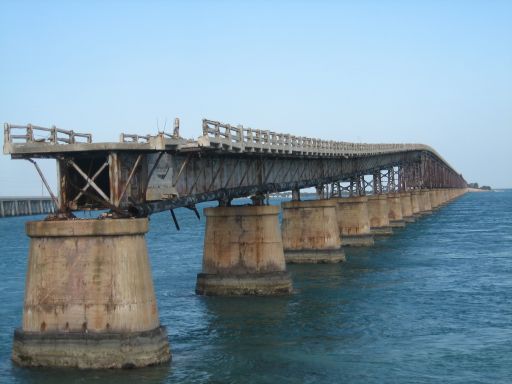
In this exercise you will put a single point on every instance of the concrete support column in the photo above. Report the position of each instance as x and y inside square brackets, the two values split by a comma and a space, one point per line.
[395, 210]
[406, 202]
[444, 196]
[378, 213]
[89, 297]
[434, 199]
[425, 205]
[415, 202]
[310, 232]
[440, 197]
[448, 196]
[353, 221]
[243, 253]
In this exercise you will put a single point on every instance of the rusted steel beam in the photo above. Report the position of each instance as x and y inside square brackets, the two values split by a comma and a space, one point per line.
[47, 186]
[89, 180]
[225, 163]
[130, 177]
[98, 172]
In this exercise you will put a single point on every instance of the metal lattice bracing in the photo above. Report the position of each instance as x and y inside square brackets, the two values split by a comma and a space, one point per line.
[143, 174]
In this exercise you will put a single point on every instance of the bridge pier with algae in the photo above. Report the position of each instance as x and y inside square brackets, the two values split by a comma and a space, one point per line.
[416, 203]
[353, 221]
[443, 197]
[310, 232]
[434, 199]
[425, 204]
[395, 215]
[89, 297]
[406, 202]
[243, 253]
[378, 213]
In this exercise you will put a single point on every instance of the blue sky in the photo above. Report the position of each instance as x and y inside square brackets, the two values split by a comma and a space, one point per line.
[434, 72]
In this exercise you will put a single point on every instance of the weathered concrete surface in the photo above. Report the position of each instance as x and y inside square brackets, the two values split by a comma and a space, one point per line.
[91, 350]
[89, 280]
[353, 221]
[310, 232]
[262, 284]
[395, 210]
[406, 202]
[443, 197]
[243, 253]
[434, 199]
[415, 202]
[425, 205]
[378, 213]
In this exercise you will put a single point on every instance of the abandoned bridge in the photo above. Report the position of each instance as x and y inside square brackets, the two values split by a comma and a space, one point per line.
[89, 288]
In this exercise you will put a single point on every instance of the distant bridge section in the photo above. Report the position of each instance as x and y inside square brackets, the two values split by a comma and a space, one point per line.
[26, 206]
[143, 174]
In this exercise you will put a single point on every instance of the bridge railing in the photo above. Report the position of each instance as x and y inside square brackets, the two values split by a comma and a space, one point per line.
[226, 136]
[23, 134]
[134, 138]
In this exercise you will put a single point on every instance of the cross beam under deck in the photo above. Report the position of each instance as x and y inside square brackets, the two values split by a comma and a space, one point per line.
[141, 175]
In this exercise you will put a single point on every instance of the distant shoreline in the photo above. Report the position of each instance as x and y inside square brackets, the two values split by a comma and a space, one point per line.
[479, 190]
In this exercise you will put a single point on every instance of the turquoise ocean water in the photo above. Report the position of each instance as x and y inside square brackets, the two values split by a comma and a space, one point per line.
[431, 304]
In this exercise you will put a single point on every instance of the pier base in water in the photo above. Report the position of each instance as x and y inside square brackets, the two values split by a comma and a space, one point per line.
[395, 214]
[91, 350]
[89, 297]
[378, 213]
[425, 204]
[255, 284]
[365, 240]
[310, 232]
[381, 231]
[415, 203]
[353, 221]
[406, 203]
[243, 253]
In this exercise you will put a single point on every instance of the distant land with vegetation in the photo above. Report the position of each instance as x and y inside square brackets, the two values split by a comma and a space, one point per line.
[477, 187]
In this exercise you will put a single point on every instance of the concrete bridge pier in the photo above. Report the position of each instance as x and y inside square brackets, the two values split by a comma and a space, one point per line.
[395, 214]
[378, 213]
[353, 221]
[243, 253]
[406, 202]
[310, 232]
[440, 198]
[443, 196]
[434, 199]
[416, 202]
[425, 205]
[89, 297]
[456, 193]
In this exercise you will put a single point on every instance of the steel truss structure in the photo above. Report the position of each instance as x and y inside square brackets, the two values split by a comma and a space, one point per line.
[142, 175]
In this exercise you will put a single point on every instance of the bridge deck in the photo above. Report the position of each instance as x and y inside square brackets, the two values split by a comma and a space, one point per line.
[140, 175]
